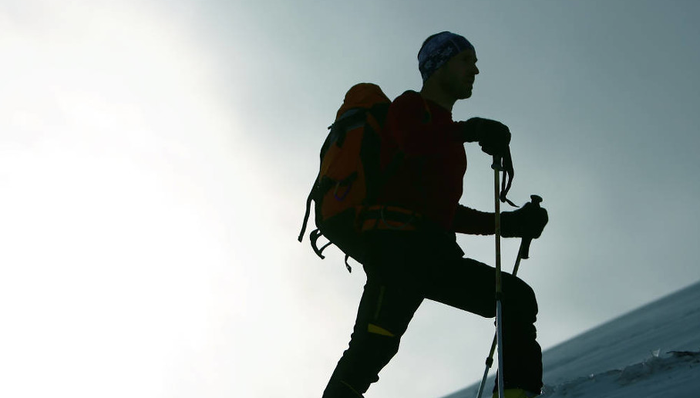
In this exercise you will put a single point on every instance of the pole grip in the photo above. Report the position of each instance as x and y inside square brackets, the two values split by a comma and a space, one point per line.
[525, 248]
[525, 244]
[497, 163]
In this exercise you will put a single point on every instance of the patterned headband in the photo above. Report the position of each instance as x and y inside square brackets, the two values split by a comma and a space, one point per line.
[438, 49]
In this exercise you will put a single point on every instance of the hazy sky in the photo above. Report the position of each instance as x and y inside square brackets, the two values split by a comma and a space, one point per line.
[155, 157]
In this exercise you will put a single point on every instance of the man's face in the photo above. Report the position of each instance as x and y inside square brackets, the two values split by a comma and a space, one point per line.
[457, 75]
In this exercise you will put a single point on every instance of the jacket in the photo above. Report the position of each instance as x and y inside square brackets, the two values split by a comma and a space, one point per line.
[429, 179]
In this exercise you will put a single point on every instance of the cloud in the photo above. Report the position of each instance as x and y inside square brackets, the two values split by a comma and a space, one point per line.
[120, 169]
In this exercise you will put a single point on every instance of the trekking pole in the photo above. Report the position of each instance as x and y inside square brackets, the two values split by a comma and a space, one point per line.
[523, 253]
[497, 168]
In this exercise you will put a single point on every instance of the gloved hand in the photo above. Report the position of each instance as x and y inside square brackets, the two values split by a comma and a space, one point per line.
[526, 222]
[493, 136]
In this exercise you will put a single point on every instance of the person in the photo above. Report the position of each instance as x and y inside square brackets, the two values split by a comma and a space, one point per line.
[411, 230]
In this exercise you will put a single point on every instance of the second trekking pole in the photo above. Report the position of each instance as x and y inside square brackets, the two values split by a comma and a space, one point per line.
[523, 254]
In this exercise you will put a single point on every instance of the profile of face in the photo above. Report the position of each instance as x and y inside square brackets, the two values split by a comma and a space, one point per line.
[456, 77]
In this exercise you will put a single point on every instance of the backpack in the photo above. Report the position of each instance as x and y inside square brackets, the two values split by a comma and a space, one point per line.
[350, 173]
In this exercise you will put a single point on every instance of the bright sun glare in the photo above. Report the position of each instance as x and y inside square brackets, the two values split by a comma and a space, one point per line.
[108, 138]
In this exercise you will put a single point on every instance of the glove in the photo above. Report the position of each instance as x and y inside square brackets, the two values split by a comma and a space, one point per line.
[527, 222]
[493, 136]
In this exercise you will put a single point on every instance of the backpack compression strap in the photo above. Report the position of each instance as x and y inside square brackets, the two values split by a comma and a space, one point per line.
[308, 212]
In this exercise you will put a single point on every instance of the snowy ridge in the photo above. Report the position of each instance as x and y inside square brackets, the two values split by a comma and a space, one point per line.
[679, 368]
[651, 352]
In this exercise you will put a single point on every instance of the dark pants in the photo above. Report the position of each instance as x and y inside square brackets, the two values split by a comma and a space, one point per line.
[403, 268]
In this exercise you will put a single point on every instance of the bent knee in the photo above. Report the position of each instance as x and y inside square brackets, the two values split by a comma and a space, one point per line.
[520, 296]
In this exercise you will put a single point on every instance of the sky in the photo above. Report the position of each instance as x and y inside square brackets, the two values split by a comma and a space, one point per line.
[155, 158]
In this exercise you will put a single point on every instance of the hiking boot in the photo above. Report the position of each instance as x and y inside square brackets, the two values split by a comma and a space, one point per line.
[516, 393]
[340, 389]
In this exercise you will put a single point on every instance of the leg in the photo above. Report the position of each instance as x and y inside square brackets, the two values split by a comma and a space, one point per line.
[470, 285]
[390, 298]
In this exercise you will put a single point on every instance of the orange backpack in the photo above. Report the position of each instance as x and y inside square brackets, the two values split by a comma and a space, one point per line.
[350, 172]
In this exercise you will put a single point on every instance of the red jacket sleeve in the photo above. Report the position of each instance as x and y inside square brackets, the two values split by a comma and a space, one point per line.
[473, 222]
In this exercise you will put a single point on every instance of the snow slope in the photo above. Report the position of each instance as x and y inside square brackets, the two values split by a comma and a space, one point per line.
[651, 352]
